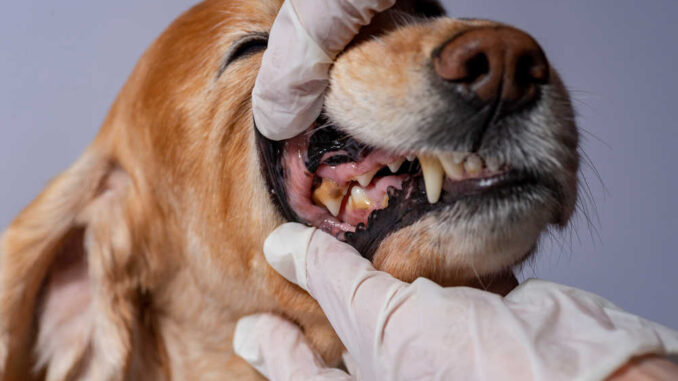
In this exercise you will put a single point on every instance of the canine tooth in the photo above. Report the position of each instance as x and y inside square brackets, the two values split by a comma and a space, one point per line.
[358, 199]
[395, 166]
[433, 177]
[410, 157]
[492, 164]
[452, 169]
[473, 164]
[330, 195]
[366, 178]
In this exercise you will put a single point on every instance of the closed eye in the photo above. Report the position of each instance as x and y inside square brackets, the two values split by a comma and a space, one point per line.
[246, 46]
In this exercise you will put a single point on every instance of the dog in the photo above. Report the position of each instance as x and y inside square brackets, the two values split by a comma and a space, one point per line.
[445, 149]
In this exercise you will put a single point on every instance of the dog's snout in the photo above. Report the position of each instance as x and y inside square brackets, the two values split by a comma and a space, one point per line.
[494, 64]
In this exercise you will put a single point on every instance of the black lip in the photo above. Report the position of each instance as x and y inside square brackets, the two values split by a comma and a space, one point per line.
[408, 205]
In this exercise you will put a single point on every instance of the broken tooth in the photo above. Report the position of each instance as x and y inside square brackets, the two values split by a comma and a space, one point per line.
[453, 169]
[358, 199]
[330, 195]
[366, 178]
[395, 166]
[473, 164]
[433, 177]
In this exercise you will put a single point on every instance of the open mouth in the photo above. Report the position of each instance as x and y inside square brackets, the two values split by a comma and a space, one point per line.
[361, 194]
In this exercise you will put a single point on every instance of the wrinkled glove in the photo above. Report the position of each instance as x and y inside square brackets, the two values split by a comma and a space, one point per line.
[305, 39]
[421, 331]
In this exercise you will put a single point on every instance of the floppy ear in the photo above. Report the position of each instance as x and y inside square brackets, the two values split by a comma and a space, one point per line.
[67, 289]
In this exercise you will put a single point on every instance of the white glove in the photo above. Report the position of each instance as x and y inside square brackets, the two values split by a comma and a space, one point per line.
[421, 331]
[305, 39]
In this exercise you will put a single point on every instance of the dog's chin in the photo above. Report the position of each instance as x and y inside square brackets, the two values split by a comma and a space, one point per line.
[479, 237]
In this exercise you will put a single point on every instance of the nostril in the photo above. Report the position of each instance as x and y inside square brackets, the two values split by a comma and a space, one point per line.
[531, 69]
[476, 68]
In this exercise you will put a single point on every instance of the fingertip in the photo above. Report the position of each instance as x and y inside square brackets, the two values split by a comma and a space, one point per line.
[285, 250]
[245, 343]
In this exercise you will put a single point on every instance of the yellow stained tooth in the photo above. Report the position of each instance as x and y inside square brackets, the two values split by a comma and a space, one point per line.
[384, 202]
[452, 169]
[473, 164]
[366, 178]
[433, 177]
[358, 199]
[330, 195]
[395, 166]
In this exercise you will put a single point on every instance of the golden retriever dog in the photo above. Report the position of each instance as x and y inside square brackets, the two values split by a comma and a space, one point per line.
[445, 149]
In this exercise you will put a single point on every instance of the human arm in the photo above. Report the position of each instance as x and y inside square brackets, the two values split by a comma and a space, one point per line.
[395, 330]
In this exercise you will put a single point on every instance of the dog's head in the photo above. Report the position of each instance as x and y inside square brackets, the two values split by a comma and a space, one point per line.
[444, 149]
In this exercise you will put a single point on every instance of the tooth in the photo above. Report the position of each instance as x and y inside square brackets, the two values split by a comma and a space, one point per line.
[395, 166]
[384, 202]
[473, 164]
[366, 178]
[452, 169]
[358, 199]
[492, 164]
[458, 157]
[433, 177]
[410, 157]
[330, 195]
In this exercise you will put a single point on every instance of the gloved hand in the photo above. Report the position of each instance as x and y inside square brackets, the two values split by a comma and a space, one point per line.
[421, 331]
[305, 39]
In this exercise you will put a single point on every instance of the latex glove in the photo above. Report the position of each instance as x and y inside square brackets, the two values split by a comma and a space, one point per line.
[305, 39]
[278, 350]
[396, 331]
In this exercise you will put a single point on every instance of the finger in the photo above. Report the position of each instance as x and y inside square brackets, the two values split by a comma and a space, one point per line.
[353, 294]
[304, 40]
[277, 349]
[285, 250]
[334, 23]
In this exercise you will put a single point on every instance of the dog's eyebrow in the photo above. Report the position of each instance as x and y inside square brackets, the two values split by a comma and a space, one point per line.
[245, 46]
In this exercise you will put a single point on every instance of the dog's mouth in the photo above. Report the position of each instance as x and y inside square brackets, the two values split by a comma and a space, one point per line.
[361, 194]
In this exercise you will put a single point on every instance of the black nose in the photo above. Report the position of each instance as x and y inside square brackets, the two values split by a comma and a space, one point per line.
[495, 64]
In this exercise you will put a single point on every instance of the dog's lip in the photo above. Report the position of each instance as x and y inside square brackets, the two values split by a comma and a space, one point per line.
[453, 191]
[410, 205]
[365, 158]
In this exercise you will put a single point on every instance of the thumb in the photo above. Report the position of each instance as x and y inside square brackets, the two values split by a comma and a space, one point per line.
[355, 297]
[277, 349]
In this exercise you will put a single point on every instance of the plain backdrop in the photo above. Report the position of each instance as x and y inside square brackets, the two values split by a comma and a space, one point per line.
[62, 63]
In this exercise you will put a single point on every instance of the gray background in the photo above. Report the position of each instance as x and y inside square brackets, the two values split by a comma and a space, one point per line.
[62, 63]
